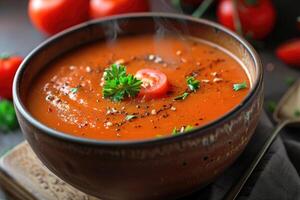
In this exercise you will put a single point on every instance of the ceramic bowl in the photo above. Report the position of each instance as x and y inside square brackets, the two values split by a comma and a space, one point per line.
[165, 168]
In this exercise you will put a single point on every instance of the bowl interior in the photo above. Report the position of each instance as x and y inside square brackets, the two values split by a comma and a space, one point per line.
[113, 27]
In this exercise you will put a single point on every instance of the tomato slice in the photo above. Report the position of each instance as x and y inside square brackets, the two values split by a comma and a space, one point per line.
[155, 83]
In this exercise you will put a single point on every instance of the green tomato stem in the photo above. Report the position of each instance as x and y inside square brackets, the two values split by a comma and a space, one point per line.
[176, 4]
[202, 8]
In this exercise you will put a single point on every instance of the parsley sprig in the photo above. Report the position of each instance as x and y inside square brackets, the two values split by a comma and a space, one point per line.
[193, 85]
[119, 85]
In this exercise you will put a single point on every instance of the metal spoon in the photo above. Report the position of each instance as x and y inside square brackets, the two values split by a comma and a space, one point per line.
[284, 115]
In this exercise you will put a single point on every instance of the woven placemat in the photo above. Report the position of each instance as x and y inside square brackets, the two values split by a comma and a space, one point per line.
[26, 178]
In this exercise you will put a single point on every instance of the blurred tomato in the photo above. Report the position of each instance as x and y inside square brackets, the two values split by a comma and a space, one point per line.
[52, 16]
[8, 68]
[257, 17]
[102, 8]
[289, 52]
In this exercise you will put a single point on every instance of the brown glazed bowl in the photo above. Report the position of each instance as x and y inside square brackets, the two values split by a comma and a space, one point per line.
[164, 168]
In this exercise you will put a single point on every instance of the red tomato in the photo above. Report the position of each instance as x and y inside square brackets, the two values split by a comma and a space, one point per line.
[8, 68]
[289, 52]
[53, 16]
[102, 8]
[155, 83]
[257, 19]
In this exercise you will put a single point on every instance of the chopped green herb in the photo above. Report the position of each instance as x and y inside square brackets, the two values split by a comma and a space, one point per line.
[182, 96]
[178, 131]
[192, 83]
[289, 80]
[271, 106]
[119, 85]
[297, 113]
[158, 136]
[74, 90]
[175, 131]
[239, 86]
[188, 128]
[8, 119]
[129, 117]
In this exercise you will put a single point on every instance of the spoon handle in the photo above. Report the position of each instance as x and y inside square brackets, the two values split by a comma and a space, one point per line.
[236, 189]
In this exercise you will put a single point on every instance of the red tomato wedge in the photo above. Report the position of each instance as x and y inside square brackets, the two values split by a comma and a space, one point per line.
[289, 52]
[155, 83]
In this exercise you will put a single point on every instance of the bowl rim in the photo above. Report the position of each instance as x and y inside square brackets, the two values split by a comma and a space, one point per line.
[77, 139]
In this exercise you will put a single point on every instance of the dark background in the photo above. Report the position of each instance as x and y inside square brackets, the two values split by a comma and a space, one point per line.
[18, 36]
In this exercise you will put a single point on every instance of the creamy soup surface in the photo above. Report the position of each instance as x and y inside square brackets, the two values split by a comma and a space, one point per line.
[67, 95]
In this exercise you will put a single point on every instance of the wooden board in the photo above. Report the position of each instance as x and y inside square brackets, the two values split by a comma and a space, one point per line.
[26, 178]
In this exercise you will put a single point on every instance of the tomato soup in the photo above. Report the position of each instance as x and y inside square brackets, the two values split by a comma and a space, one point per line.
[68, 94]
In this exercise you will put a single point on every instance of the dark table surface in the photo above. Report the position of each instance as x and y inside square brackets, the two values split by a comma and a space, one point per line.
[18, 36]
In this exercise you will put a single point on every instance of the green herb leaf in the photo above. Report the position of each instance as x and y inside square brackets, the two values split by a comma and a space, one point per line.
[114, 72]
[239, 86]
[175, 131]
[129, 117]
[182, 96]
[186, 129]
[8, 119]
[289, 80]
[297, 113]
[271, 106]
[74, 90]
[192, 83]
[119, 85]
